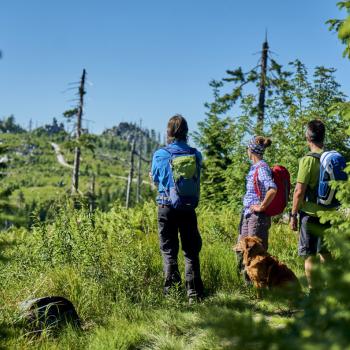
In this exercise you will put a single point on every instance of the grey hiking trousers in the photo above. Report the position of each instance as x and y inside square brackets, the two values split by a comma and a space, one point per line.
[171, 222]
[255, 224]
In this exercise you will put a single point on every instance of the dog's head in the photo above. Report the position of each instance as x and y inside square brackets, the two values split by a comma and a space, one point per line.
[250, 247]
[239, 247]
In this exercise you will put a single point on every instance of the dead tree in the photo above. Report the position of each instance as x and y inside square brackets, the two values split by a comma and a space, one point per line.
[262, 86]
[139, 165]
[92, 194]
[137, 146]
[268, 75]
[77, 152]
[131, 172]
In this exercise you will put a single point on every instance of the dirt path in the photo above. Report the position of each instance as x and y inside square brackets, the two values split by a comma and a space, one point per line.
[59, 155]
[63, 162]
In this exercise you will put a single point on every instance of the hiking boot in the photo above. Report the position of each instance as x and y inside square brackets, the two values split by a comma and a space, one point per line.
[173, 281]
[195, 288]
[194, 300]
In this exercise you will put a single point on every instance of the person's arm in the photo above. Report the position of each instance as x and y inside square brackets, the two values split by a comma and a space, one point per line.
[303, 179]
[270, 187]
[298, 198]
[154, 173]
[270, 195]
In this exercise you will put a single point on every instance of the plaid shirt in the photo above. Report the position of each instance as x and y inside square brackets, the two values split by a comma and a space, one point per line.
[265, 182]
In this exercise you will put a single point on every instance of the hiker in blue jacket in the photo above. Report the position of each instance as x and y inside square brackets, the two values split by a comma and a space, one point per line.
[176, 173]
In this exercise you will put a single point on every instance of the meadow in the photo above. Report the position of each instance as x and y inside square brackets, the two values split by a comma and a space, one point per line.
[110, 267]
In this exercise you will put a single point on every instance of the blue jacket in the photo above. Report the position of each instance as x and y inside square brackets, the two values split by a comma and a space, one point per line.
[161, 172]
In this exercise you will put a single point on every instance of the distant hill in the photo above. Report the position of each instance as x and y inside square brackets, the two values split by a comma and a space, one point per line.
[38, 170]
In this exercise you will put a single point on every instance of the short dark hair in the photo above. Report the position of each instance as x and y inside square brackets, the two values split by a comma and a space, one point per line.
[315, 131]
[177, 129]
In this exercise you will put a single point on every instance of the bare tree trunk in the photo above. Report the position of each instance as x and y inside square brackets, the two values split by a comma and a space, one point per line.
[262, 87]
[76, 166]
[92, 195]
[139, 174]
[131, 172]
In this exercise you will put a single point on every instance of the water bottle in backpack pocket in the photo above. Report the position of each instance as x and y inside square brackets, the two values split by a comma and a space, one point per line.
[185, 174]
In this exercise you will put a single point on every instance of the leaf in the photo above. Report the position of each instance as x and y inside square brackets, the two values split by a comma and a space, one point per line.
[70, 113]
[344, 30]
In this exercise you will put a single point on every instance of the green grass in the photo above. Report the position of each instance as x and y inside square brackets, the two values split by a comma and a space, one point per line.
[112, 271]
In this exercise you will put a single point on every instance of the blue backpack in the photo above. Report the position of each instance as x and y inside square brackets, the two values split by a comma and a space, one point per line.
[184, 168]
[332, 166]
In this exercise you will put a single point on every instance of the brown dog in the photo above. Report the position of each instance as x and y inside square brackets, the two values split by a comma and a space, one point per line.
[264, 270]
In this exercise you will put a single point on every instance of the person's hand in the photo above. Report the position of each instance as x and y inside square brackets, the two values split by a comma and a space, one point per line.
[257, 208]
[293, 224]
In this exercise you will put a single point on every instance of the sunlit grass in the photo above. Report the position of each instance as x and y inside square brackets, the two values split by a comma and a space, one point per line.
[112, 272]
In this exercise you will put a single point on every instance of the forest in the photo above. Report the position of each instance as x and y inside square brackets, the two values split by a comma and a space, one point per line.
[78, 219]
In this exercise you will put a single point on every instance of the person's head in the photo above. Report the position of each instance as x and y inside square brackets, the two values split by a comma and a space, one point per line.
[257, 147]
[177, 129]
[315, 132]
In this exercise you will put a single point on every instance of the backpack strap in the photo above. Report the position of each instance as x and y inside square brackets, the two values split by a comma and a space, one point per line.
[314, 155]
[256, 181]
[311, 196]
[256, 185]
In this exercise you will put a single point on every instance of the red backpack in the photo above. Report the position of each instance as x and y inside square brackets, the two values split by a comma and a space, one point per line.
[281, 177]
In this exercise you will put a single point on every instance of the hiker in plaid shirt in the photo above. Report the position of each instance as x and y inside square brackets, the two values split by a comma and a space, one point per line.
[265, 182]
[254, 222]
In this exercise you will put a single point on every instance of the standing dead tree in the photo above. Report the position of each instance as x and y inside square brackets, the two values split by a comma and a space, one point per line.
[131, 172]
[139, 165]
[267, 76]
[77, 153]
[78, 114]
[262, 85]
[137, 150]
[92, 194]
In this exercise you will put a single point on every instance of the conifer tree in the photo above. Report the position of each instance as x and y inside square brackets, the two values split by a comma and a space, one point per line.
[293, 98]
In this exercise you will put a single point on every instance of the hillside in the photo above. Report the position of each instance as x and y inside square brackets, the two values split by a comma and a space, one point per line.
[39, 169]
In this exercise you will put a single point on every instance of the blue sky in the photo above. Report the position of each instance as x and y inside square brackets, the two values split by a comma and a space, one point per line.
[148, 59]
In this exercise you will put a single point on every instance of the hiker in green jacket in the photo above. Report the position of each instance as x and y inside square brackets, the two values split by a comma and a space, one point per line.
[305, 201]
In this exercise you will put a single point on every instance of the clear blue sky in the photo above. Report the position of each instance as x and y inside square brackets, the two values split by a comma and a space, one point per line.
[148, 59]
